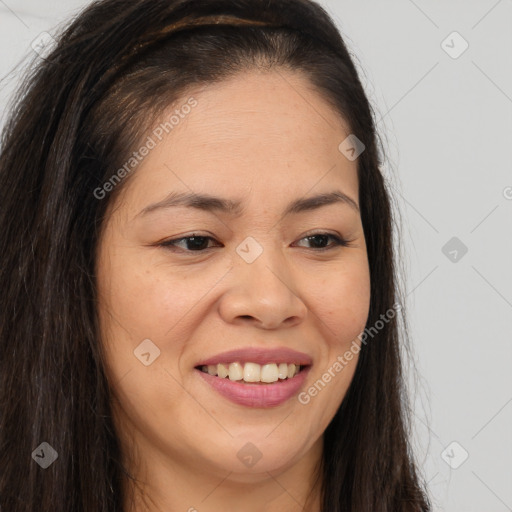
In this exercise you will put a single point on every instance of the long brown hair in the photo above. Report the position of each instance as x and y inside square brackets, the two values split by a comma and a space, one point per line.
[80, 112]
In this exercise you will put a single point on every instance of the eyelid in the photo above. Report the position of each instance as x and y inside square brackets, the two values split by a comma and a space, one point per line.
[340, 241]
[169, 243]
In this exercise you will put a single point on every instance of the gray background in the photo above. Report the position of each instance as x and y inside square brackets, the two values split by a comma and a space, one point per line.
[447, 125]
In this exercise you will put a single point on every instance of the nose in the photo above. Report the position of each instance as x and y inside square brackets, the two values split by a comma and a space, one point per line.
[263, 293]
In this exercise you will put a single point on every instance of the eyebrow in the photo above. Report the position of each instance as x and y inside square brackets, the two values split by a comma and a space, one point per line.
[211, 203]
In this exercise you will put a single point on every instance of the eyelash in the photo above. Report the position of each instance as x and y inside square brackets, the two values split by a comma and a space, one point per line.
[338, 242]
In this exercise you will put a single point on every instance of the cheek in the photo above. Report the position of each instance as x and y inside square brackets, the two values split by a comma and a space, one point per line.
[141, 312]
[141, 300]
[342, 302]
[342, 306]
[147, 300]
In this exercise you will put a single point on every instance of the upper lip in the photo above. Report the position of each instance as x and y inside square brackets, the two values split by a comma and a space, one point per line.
[260, 356]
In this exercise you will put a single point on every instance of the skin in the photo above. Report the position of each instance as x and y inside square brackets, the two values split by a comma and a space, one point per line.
[265, 138]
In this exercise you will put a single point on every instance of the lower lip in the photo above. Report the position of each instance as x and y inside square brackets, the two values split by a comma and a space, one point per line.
[257, 395]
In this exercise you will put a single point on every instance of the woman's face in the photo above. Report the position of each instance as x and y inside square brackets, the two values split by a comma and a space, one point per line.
[250, 283]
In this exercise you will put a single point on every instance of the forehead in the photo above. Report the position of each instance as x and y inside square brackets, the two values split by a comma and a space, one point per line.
[267, 130]
[280, 109]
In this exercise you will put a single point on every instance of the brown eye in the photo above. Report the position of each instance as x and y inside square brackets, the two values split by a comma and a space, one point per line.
[189, 243]
[318, 241]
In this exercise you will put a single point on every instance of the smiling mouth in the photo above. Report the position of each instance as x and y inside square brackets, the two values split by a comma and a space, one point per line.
[253, 373]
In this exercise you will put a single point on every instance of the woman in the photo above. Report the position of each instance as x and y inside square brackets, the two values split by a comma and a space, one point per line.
[199, 294]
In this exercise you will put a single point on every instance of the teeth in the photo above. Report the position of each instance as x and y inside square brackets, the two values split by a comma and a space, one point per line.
[236, 371]
[253, 372]
[222, 370]
[283, 371]
[269, 373]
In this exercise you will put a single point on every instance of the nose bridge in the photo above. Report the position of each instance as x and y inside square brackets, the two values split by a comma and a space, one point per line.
[259, 260]
[263, 286]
